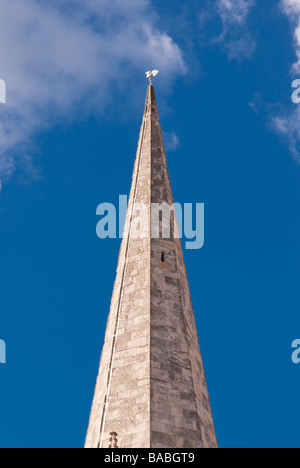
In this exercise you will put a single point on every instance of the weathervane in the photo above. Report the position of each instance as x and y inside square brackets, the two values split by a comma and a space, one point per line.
[150, 74]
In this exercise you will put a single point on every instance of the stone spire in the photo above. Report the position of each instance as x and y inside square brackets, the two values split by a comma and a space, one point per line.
[151, 390]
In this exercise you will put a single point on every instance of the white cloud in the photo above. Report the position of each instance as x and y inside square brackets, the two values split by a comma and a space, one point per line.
[61, 59]
[288, 123]
[292, 9]
[235, 35]
[172, 141]
[256, 103]
[235, 11]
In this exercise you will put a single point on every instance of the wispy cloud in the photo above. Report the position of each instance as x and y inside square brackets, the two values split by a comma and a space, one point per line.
[235, 36]
[256, 103]
[292, 9]
[61, 59]
[172, 141]
[287, 123]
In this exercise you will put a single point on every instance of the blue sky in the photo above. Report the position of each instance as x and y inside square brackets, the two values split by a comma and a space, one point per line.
[69, 130]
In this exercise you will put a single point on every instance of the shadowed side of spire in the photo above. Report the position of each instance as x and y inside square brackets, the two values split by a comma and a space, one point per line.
[180, 410]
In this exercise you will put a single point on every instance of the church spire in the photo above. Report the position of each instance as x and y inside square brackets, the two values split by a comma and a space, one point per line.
[151, 390]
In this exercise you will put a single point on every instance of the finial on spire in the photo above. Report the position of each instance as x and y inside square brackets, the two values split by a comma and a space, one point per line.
[150, 74]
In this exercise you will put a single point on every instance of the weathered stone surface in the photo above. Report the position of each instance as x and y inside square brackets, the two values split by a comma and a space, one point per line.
[151, 389]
